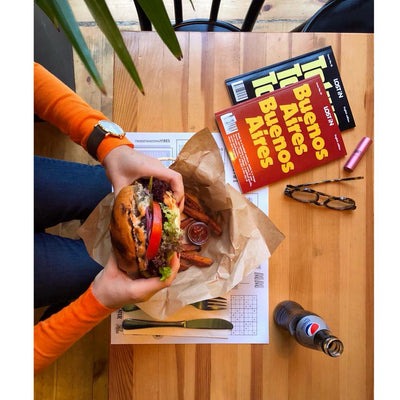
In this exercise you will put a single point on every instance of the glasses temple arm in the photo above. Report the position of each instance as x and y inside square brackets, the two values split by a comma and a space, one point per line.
[350, 178]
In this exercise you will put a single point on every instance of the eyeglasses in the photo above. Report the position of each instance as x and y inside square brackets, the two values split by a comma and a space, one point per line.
[304, 194]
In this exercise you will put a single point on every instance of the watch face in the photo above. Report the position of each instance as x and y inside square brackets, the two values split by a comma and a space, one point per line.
[111, 128]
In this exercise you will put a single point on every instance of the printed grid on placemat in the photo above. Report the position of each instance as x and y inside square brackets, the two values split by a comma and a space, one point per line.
[243, 310]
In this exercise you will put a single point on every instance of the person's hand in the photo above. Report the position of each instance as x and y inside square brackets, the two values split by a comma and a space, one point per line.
[114, 288]
[124, 165]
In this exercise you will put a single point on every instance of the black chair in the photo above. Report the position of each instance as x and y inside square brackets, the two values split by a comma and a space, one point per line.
[354, 16]
[52, 48]
[203, 25]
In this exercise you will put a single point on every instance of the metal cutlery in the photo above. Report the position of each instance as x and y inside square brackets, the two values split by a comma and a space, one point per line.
[217, 303]
[203, 323]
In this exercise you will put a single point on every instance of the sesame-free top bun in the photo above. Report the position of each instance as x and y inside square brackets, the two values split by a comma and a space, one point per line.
[128, 236]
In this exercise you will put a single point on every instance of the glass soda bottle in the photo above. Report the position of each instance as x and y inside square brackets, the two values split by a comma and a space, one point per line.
[309, 329]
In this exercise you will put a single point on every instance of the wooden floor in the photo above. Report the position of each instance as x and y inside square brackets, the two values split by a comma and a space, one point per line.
[276, 15]
[82, 372]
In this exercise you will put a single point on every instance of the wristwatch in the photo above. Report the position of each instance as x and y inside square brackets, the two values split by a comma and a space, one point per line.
[100, 131]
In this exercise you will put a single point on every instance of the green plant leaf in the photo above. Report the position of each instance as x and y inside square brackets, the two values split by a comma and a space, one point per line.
[158, 16]
[59, 12]
[44, 5]
[105, 21]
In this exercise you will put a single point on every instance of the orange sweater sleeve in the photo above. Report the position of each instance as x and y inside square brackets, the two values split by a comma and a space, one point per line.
[56, 334]
[57, 104]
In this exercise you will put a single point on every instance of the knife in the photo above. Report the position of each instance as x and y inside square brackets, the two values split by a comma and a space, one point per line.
[203, 323]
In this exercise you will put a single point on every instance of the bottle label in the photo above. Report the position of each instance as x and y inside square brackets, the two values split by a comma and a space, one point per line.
[307, 328]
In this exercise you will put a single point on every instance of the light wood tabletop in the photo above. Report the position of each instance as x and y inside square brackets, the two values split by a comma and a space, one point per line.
[326, 260]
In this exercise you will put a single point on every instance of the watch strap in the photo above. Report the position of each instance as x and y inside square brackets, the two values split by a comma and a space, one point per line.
[94, 140]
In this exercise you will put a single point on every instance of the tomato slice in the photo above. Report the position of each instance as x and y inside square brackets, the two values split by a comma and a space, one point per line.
[155, 232]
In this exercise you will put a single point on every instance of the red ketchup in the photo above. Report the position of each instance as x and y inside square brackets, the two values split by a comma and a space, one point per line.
[197, 232]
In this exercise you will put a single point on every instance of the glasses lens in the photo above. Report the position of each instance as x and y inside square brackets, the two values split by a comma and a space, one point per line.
[304, 195]
[341, 204]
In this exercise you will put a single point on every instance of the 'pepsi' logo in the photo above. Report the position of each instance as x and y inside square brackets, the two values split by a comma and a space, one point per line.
[312, 328]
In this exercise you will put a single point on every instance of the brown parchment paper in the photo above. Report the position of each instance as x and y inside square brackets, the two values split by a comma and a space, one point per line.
[249, 237]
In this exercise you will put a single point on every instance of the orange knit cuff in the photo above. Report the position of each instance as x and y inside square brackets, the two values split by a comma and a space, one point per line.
[110, 143]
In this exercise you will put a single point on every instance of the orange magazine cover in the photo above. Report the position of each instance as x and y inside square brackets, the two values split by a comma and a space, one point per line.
[281, 133]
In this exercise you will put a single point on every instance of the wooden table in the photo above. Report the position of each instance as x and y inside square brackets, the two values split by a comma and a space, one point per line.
[326, 261]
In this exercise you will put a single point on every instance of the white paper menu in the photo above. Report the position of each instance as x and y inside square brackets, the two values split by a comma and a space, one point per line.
[247, 302]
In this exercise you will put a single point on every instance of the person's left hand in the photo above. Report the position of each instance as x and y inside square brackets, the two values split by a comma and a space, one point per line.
[114, 288]
[124, 165]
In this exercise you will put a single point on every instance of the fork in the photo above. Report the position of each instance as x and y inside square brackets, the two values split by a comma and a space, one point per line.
[217, 303]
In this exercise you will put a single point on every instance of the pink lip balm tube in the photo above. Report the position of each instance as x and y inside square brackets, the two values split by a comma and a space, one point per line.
[359, 151]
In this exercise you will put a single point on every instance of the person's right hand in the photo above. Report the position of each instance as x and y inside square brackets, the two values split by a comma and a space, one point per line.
[114, 288]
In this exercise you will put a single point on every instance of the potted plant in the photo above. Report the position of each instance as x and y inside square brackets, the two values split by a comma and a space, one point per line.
[60, 13]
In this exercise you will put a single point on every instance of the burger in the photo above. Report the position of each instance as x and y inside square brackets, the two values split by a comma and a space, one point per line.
[145, 228]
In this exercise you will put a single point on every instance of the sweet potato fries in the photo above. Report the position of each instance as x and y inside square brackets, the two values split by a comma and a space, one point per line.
[190, 253]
